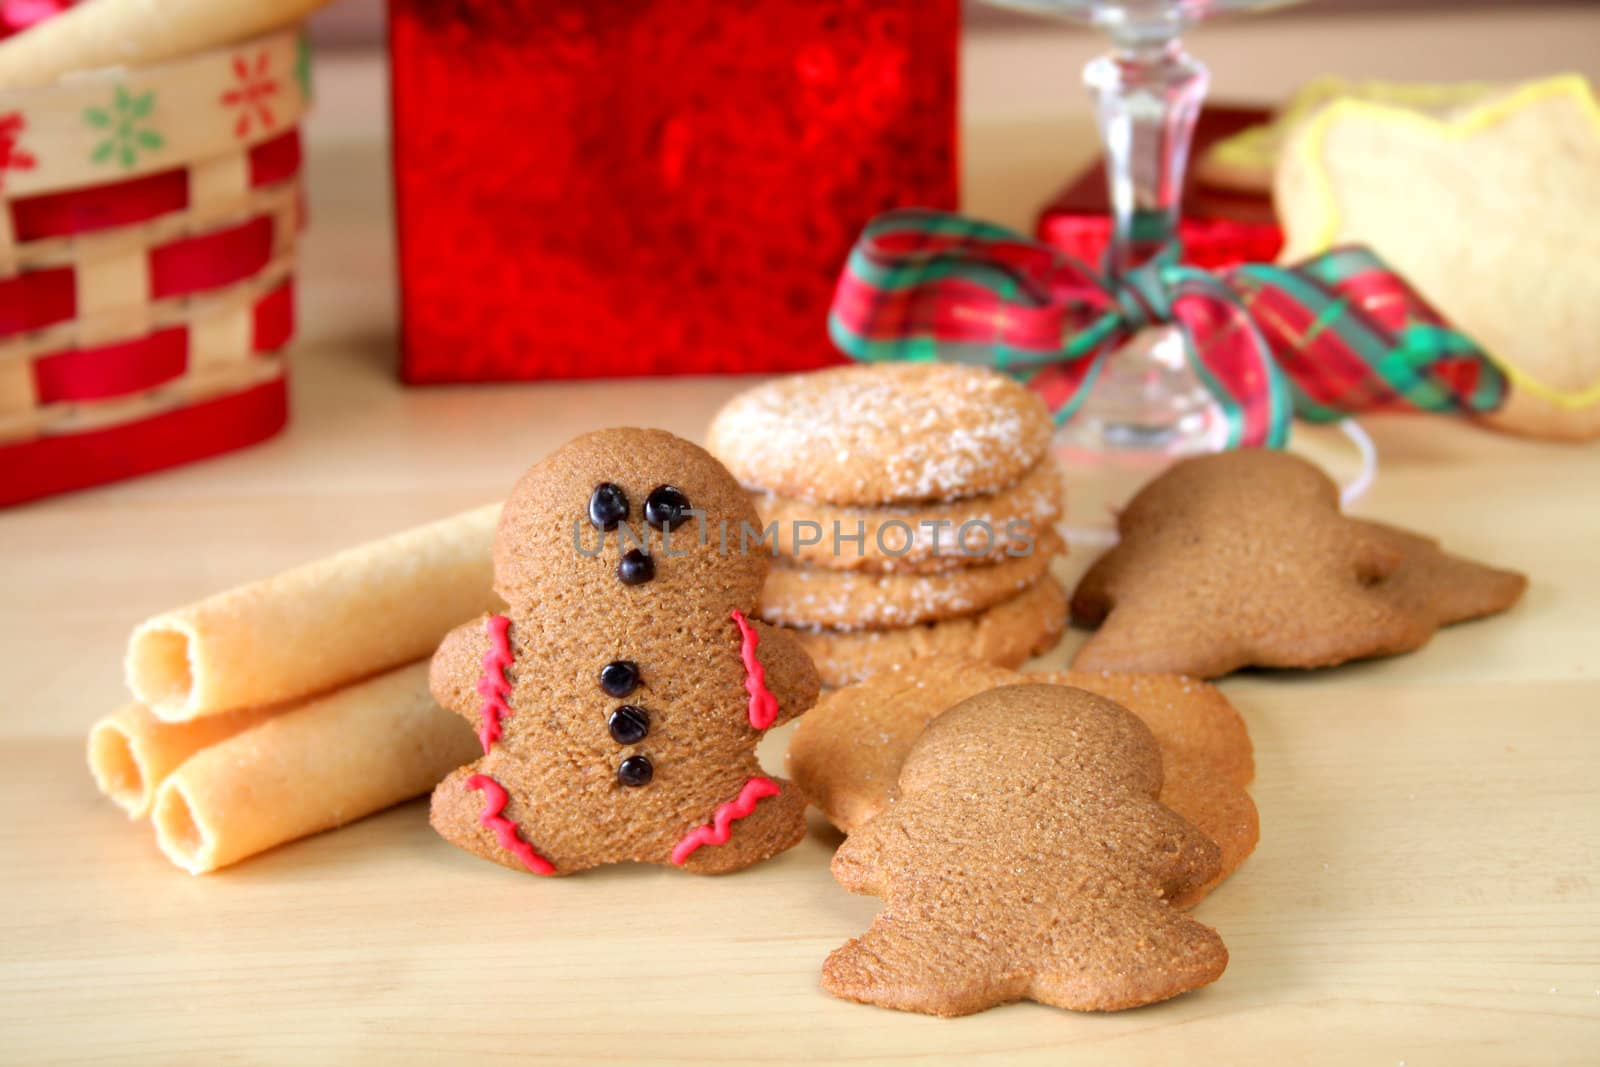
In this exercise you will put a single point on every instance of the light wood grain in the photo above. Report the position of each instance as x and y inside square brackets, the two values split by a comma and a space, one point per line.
[1425, 890]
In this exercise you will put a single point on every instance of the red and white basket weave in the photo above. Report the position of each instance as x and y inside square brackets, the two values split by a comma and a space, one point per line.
[146, 255]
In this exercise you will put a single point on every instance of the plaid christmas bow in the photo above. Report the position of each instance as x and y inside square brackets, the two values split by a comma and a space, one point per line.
[1340, 333]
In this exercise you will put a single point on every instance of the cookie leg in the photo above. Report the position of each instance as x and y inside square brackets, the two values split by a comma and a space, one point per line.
[937, 970]
[1108, 963]
[472, 811]
[776, 824]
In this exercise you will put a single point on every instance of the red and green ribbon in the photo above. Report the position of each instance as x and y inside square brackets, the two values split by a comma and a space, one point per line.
[1338, 334]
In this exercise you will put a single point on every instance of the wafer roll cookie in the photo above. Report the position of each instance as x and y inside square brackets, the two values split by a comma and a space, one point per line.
[131, 751]
[318, 626]
[326, 763]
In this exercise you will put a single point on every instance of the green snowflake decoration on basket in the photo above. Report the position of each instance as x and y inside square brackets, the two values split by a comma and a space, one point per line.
[127, 134]
[302, 64]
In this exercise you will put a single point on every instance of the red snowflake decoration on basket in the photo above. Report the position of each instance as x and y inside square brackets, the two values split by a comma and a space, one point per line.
[253, 95]
[11, 156]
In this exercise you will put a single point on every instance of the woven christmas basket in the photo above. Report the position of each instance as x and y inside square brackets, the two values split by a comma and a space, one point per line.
[146, 257]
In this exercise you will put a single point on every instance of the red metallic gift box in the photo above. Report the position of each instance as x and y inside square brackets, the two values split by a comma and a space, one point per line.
[591, 188]
[1219, 228]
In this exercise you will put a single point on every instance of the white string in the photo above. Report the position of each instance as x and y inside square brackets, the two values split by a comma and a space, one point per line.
[1358, 486]
[1089, 536]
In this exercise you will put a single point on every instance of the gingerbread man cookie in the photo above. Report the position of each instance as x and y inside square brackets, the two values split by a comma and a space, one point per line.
[847, 753]
[1243, 559]
[620, 698]
[1027, 857]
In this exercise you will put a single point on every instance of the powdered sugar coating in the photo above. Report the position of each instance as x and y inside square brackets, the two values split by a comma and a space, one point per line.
[874, 434]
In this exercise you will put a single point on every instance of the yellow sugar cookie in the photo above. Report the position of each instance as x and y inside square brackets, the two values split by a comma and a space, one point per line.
[1490, 211]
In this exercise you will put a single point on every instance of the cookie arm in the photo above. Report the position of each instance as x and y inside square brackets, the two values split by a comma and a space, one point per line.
[1376, 551]
[860, 863]
[1093, 598]
[453, 675]
[1134, 641]
[791, 676]
[1195, 862]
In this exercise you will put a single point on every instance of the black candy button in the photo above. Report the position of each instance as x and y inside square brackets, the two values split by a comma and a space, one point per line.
[635, 771]
[608, 505]
[635, 568]
[620, 677]
[629, 724]
[666, 506]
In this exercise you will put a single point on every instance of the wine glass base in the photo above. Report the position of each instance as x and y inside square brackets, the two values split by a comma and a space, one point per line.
[1147, 402]
[1145, 411]
[1185, 435]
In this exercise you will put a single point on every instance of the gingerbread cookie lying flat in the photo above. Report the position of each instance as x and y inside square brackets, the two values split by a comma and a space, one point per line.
[859, 600]
[1243, 559]
[620, 699]
[847, 752]
[919, 539]
[1007, 633]
[1027, 857]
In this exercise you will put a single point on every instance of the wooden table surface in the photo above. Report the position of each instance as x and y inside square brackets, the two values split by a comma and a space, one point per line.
[1425, 890]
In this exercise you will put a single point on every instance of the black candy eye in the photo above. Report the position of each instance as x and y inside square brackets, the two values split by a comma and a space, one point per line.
[666, 506]
[635, 770]
[635, 568]
[629, 724]
[608, 505]
[619, 677]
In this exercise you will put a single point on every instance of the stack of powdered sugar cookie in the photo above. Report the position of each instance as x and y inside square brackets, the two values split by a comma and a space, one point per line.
[910, 508]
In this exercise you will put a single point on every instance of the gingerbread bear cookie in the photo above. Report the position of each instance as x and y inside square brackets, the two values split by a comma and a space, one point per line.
[1243, 559]
[1027, 857]
[620, 699]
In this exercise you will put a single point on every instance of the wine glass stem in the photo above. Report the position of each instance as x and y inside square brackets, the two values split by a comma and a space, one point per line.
[1147, 95]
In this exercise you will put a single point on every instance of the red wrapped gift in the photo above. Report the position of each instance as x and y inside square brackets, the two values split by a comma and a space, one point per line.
[1218, 227]
[597, 187]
